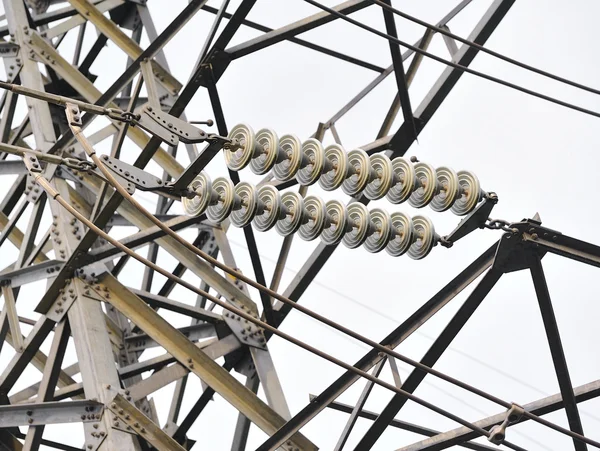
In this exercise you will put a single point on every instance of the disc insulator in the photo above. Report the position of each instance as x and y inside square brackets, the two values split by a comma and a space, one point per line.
[336, 222]
[338, 162]
[264, 162]
[470, 193]
[313, 162]
[202, 186]
[238, 159]
[447, 184]
[224, 189]
[380, 177]
[403, 181]
[315, 215]
[426, 185]
[269, 208]
[424, 238]
[403, 234]
[356, 183]
[288, 160]
[292, 213]
[381, 233]
[244, 213]
[359, 225]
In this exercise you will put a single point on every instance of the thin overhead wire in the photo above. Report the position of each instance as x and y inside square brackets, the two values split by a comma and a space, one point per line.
[89, 150]
[484, 49]
[121, 190]
[387, 317]
[454, 65]
[45, 184]
[309, 312]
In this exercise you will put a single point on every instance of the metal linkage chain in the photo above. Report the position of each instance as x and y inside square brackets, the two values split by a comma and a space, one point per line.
[311, 217]
[374, 176]
[499, 224]
[70, 162]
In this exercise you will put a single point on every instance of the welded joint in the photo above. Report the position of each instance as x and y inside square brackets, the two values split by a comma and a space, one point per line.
[498, 432]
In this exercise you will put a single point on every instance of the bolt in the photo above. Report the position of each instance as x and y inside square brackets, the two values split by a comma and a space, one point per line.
[113, 405]
[136, 424]
[95, 425]
[29, 412]
[30, 420]
[534, 236]
[83, 417]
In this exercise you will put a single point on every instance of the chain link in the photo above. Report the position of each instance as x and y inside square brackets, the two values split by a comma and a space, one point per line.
[498, 224]
[79, 165]
[122, 116]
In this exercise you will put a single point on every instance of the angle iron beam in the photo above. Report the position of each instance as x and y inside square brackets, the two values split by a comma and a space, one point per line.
[397, 60]
[303, 43]
[49, 413]
[163, 377]
[397, 336]
[436, 350]
[404, 137]
[294, 29]
[357, 409]
[557, 351]
[540, 407]
[124, 42]
[405, 426]
[142, 425]
[49, 380]
[197, 361]
[563, 245]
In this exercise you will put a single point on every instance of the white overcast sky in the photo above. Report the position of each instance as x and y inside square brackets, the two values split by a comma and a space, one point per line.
[537, 156]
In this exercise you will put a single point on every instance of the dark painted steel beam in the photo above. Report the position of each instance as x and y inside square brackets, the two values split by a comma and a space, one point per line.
[390, 26]
[401, 333]
[303, 43]
[540, 407]
[436, 350]
[557, 351]
[294, 29]
[404, 137]
[404, 425]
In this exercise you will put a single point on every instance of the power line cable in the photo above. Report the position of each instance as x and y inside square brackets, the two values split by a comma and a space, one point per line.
[44, 183]
[454, 65]
[77, 131]
[417, 332]
[484, 49]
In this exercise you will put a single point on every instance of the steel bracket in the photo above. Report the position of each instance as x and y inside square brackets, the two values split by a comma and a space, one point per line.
[245, 331]
[474, 220]
[184, 131]
[147, 122]
[514, 253]
[60, 307]
[134, 177]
